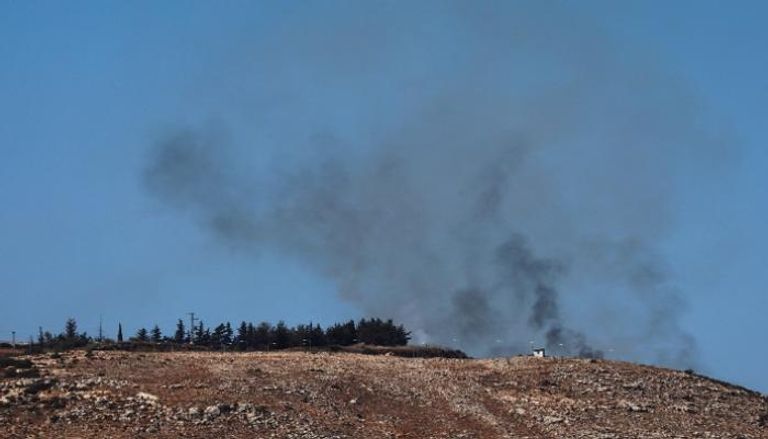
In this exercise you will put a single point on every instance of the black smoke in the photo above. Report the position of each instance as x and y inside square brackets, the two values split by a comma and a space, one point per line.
[521, 195]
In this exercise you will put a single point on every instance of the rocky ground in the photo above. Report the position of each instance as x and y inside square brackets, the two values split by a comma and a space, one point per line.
[324, 395]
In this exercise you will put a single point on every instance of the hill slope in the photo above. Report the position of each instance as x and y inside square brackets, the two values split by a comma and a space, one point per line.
[300, 395]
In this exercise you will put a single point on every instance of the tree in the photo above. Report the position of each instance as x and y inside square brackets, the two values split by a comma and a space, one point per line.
[70, 329]
[180, 336]
[218, 335]
[119, 332]
[262, 336]
[317, 336]
[142, 335]
[227, 336]
[202, 335]
[282, 335]
[342, 334]
[378, 332]
[156, 335]
[242, 336]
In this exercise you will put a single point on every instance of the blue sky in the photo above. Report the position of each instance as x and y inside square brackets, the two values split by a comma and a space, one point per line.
[87, 87]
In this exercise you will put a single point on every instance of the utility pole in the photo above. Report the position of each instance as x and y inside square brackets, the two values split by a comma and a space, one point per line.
[192, 327]
[101, 334]
[30, 345]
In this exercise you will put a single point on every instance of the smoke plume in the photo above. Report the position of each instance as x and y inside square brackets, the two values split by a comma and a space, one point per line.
[489, 175]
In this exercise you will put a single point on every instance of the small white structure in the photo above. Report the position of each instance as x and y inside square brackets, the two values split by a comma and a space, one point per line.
[538, 352]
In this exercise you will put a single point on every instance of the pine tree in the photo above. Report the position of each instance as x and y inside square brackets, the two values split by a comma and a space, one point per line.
[317, 336]
[227, 337]
[201, 337]
[217, 336]
[180, 336]
[142, 335]
[342, 334]
[70, 329]
[242, 336]
[262, 336]
[119, 332]
[156, 335]
[282, 335]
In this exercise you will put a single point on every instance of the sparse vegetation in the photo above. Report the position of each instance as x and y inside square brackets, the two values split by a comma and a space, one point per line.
[287, 394]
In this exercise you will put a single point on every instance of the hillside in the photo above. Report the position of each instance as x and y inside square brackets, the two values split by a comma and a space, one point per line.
[323, 395]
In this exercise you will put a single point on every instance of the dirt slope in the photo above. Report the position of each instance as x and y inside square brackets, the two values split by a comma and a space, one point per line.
[301, 395]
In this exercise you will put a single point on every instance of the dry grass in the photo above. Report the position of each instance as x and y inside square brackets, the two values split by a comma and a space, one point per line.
[295, 394]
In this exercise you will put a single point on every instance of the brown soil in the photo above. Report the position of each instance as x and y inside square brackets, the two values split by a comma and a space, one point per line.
[342, 395]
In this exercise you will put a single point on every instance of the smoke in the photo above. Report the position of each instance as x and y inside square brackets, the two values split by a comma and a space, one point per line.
[494, 176]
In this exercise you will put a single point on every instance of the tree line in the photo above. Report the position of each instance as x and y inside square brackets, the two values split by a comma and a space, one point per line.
[246, 336]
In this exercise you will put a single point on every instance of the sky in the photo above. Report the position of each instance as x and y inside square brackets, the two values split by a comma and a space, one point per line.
[87, 89]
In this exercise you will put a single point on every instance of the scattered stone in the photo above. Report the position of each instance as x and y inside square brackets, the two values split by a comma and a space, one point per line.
[39, 385]
[212, 411]
[147, 397]
[632, 407]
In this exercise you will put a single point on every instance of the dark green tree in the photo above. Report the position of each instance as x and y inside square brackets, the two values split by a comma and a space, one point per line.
[242, 336]
[180, 336]
[342, 334]
[227, 335]
[378, 332]
[70, 329]
[282, 335]
[156, 336]
[217, 336]
[262, 336]
[202, 335]
[317, 336]
[119, 332]
[142, 335]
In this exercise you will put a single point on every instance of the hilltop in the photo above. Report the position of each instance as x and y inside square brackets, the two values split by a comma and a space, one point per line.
[344, 395]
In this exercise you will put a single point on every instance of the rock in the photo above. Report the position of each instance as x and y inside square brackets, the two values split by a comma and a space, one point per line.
[15, 363]
[631, 406]
[243, 407]
[549, 420]
[637, 385]
[127, 415]
[212, 411]
[39, 385]
[147, 397]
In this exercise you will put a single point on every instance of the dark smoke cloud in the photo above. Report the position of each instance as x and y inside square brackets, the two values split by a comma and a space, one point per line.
[521, 194]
